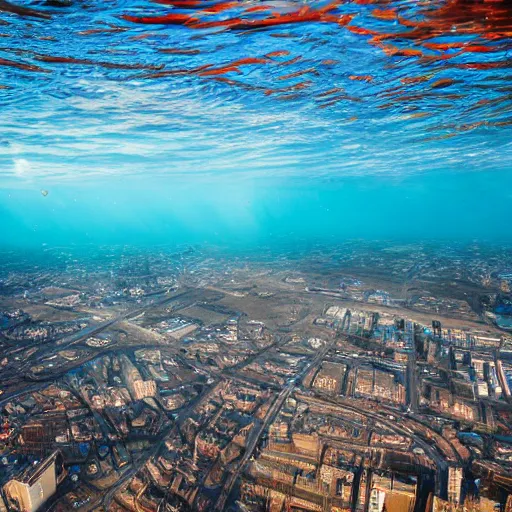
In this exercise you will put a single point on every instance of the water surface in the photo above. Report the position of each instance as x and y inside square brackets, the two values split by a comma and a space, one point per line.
[233, 103]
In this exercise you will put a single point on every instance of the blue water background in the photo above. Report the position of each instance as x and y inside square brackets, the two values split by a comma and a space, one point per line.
[328, 132]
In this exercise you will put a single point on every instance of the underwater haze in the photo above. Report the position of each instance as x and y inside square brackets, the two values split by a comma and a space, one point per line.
[254, 121]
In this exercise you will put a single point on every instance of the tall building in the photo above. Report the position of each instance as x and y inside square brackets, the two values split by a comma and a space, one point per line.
[137, 386]
[377, 498]
[454, 484]
[30, 490]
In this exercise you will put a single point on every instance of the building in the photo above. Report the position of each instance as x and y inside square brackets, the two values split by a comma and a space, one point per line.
[30, 490]
[330, 377]
[144, 389]
[121, 456]
[377, 499]
[138, 387]
[454, 484]
[38, 437]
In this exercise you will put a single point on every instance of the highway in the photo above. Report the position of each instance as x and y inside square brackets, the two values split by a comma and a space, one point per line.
[136, 466]
[25, 381]
[257, 433]
[440, 462]
[172, 429]
[411, 377]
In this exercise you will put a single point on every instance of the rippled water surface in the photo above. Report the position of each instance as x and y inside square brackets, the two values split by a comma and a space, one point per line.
[254, 87]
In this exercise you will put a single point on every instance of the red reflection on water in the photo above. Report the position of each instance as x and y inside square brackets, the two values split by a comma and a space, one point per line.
[303, 15]
[487, 22]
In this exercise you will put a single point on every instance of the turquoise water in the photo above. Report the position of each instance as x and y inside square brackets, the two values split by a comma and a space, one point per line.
[183, 120]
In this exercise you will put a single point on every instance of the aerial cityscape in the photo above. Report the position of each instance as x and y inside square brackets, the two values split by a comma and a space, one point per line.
[256, 256]
[365, 377]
